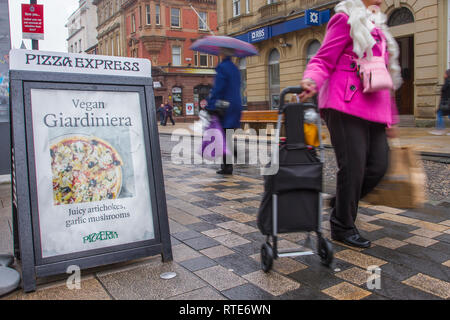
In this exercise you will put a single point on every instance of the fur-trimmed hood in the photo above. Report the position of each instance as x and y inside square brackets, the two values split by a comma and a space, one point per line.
[362, 21]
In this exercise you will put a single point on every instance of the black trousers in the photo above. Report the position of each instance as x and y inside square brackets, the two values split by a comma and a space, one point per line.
[171, 119]
[225, 165]
[362, 153]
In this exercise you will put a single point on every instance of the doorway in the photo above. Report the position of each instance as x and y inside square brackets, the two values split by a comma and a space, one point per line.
[158, 101]
[405, 95]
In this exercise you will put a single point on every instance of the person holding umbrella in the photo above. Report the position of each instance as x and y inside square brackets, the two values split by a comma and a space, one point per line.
[227, 87]
[225, 98]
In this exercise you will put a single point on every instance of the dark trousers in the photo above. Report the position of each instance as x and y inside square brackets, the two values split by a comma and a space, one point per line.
[362, 153]
[171, 119]
[225, 165]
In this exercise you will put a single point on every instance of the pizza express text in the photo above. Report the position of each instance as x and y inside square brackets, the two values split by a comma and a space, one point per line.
[85, 63]
[87, 119]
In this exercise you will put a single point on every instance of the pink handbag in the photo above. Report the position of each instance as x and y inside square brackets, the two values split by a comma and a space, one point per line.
[374, 73]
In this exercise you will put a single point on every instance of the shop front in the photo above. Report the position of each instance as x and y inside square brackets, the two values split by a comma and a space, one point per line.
[186, 89]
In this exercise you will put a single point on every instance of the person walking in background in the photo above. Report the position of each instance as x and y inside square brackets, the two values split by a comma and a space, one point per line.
[168, 110]
[161, 113]
[443, 106]
[358, 122]
[226, 91]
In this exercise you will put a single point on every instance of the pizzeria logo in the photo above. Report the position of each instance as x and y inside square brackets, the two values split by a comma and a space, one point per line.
[100, 236]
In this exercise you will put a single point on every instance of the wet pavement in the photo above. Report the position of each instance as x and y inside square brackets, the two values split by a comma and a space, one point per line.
[216, 248]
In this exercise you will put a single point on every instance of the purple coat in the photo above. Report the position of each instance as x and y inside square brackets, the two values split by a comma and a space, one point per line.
[334, 69]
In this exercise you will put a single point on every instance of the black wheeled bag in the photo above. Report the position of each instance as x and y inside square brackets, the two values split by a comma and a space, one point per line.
[297, 183]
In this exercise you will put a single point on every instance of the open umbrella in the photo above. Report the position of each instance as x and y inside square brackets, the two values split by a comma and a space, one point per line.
[213, 44]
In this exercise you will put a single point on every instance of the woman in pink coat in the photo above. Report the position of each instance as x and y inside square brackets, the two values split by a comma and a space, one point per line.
[357, 121]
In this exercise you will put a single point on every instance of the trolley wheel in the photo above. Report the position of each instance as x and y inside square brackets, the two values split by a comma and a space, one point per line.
[325, 252]
[266, 257]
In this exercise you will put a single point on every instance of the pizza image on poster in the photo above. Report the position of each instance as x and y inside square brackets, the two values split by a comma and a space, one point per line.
[85, 169]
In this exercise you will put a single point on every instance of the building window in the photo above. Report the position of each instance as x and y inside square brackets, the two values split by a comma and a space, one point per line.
[274, 78]
[201, 93]
[157, 14]
[243, 69]
[202, 21]
[118, 45]
[176, 55]
[312, 49]
[79, 46]
[271, 1]
[147, 14]
[175, 17]
[203, 60]
[76, 50]
[133, 23]
[177, 101]
[71, 48]
[112, 46]
[247, 6]
[400, 16]
[236, 8]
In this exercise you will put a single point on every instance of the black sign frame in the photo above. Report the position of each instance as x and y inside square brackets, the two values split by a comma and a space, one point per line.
[25, 207]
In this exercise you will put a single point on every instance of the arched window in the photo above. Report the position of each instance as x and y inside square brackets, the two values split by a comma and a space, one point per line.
[400, 16]
[311, 50]
[274, 78]
[243, 70]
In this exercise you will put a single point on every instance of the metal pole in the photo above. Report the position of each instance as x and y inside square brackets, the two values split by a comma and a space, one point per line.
[34, 43]
[201, 19]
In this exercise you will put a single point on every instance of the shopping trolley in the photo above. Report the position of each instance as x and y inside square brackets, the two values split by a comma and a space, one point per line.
[292, 200]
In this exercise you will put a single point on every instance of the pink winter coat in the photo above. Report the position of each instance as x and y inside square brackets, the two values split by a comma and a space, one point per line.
[334, 70]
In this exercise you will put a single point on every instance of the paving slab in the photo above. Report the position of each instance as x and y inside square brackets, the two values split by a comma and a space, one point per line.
[204, 293]
[145, 283]
[220, 278]
[91, 289]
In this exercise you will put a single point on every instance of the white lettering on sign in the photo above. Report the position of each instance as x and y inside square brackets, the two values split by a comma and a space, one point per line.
[258, 34]
[33, 60]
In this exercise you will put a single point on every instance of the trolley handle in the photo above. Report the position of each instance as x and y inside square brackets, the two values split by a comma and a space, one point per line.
[286, 91]
[296, 90]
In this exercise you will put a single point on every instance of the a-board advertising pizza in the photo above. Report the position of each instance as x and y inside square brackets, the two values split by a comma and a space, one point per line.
[92, 179]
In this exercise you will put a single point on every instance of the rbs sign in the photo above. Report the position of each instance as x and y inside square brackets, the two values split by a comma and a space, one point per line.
[259, 35]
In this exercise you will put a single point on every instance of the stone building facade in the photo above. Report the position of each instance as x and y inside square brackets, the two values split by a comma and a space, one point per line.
[82, 28]
[287, 36]
[111, 35]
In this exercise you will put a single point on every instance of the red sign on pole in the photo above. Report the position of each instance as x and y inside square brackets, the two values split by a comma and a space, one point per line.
[33, 21]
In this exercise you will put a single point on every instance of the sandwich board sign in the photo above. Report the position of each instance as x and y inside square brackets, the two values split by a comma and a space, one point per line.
[88, 187]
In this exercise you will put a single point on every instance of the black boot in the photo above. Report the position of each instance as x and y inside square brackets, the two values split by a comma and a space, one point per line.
[226, 169]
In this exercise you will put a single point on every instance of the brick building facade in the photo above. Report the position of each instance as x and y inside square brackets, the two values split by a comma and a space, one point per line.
[163, 31]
